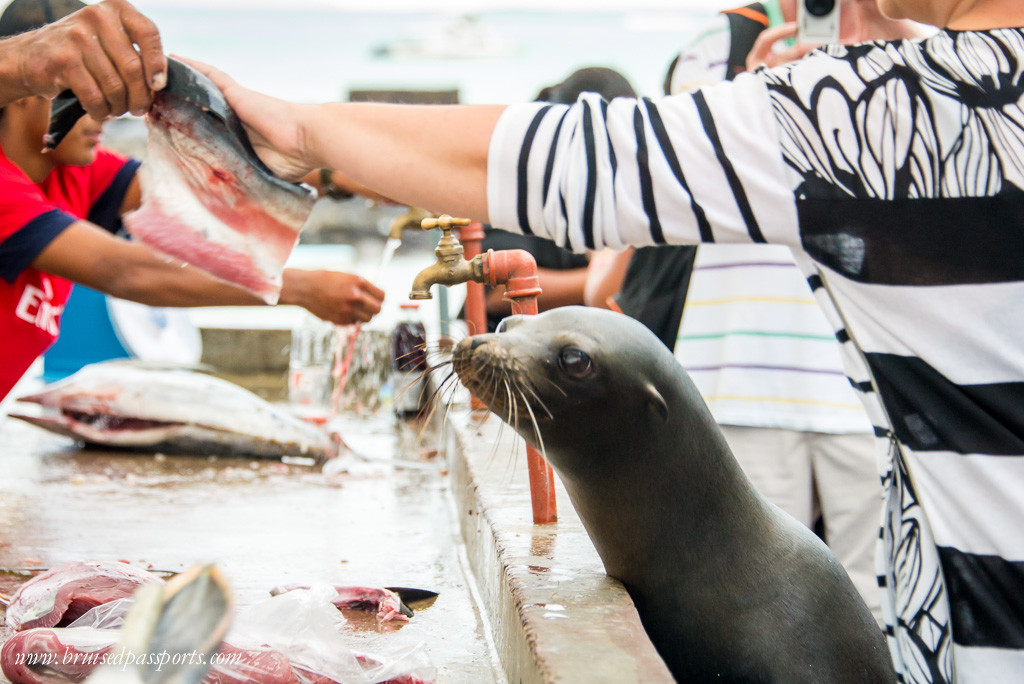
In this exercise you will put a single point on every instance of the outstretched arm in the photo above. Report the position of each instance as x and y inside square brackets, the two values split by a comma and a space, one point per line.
[92, 52]
[341, 298]
[604, 277]
[429, 156]
[86, 254]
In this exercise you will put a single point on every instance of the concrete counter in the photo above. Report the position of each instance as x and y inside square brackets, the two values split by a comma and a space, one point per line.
[519, 602]
[554, 614]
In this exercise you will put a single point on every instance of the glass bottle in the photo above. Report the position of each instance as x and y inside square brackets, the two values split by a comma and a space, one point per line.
[409, 362]
[309, 368]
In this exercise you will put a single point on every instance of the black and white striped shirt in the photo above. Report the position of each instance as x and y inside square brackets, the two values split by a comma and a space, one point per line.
[896, 170]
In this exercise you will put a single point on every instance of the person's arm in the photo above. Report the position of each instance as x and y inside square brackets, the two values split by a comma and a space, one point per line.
[340, 298]
[132, 197]
[604, 276]
[428, 156]
[490, 163]
[86, 254]
[340, 186]
[91, 52]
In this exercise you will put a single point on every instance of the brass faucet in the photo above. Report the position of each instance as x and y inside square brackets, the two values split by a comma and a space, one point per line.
[412, 218]
[450, 268]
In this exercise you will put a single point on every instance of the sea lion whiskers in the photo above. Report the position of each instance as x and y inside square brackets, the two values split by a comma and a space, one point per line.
[536, 427]
[537, 398]
[437, 396]
[499, 380]
[512, 409]
[514, 383]
[516, 375]
[501, 383]
[557, 387]
[518, 384]
[496, 380]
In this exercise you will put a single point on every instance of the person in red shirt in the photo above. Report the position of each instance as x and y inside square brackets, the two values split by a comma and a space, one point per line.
[58, 214]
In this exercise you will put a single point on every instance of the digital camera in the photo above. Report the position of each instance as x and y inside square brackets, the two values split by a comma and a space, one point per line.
[817, 21]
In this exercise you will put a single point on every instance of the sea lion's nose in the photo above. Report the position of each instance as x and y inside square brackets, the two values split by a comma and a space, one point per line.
[508, 323]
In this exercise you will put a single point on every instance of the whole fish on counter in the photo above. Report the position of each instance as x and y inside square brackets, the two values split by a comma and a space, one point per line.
[133, 406]
[207, 199]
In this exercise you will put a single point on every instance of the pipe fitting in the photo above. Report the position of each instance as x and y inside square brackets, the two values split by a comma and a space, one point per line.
[516, 269]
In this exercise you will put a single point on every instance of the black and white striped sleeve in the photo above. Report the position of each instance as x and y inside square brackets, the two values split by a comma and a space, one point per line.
[693, 167]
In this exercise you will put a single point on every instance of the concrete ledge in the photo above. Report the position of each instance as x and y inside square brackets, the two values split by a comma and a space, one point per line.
[555, 615]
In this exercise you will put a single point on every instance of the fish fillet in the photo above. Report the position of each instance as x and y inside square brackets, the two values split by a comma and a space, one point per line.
[207, 199]
[62, 594]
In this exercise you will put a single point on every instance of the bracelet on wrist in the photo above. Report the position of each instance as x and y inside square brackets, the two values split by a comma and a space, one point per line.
[329, 189]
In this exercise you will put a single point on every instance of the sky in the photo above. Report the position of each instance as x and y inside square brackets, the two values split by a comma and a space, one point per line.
[339, 53]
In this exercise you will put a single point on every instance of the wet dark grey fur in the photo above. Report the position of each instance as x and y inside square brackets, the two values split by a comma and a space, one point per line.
[728, 586]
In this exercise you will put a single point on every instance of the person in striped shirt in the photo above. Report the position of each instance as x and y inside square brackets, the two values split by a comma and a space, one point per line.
[896, 167]
[751, 334]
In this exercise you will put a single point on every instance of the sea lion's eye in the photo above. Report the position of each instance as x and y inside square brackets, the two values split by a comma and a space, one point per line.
[575, 362]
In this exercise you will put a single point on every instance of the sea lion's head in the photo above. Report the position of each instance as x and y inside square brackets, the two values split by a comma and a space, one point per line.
[575, 377]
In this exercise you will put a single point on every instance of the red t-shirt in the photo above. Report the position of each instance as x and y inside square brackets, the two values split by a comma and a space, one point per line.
[31, 216]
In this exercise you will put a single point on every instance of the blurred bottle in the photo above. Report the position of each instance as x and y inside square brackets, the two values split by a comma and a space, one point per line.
[309, 368]
[409, 362]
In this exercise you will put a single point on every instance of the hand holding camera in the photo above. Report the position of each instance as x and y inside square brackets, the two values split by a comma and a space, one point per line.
[817, 21]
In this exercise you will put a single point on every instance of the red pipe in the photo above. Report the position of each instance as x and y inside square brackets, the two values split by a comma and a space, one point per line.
[472, 236]
[517, 270]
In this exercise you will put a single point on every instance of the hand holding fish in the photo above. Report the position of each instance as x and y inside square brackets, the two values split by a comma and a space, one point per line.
[271, 124]
[341, 298]
[91, 52]
[428, 156]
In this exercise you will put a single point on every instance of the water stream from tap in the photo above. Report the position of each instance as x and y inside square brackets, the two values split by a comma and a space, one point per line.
[390, 247]
[345, 344]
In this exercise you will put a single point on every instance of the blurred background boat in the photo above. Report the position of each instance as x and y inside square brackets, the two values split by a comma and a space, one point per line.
[464, 37]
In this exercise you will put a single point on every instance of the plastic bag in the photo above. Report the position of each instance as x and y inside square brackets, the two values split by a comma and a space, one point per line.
[64, 592]
[387, 603]
[293, 637]
[305, 625]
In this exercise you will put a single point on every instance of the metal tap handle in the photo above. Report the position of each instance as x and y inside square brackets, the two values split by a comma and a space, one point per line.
[444, 222]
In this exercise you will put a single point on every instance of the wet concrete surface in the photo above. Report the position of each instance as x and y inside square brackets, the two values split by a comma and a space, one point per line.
[265, 523]
[556, 615]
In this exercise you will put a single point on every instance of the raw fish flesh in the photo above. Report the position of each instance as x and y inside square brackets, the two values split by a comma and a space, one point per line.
[207, 199]
[386, 602]
[134, 406]
[282, 640]
[65, 592]
[167, 632]
[52, 656]
[41, 655]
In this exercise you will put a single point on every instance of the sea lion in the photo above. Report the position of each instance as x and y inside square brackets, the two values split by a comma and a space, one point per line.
[728, 586]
